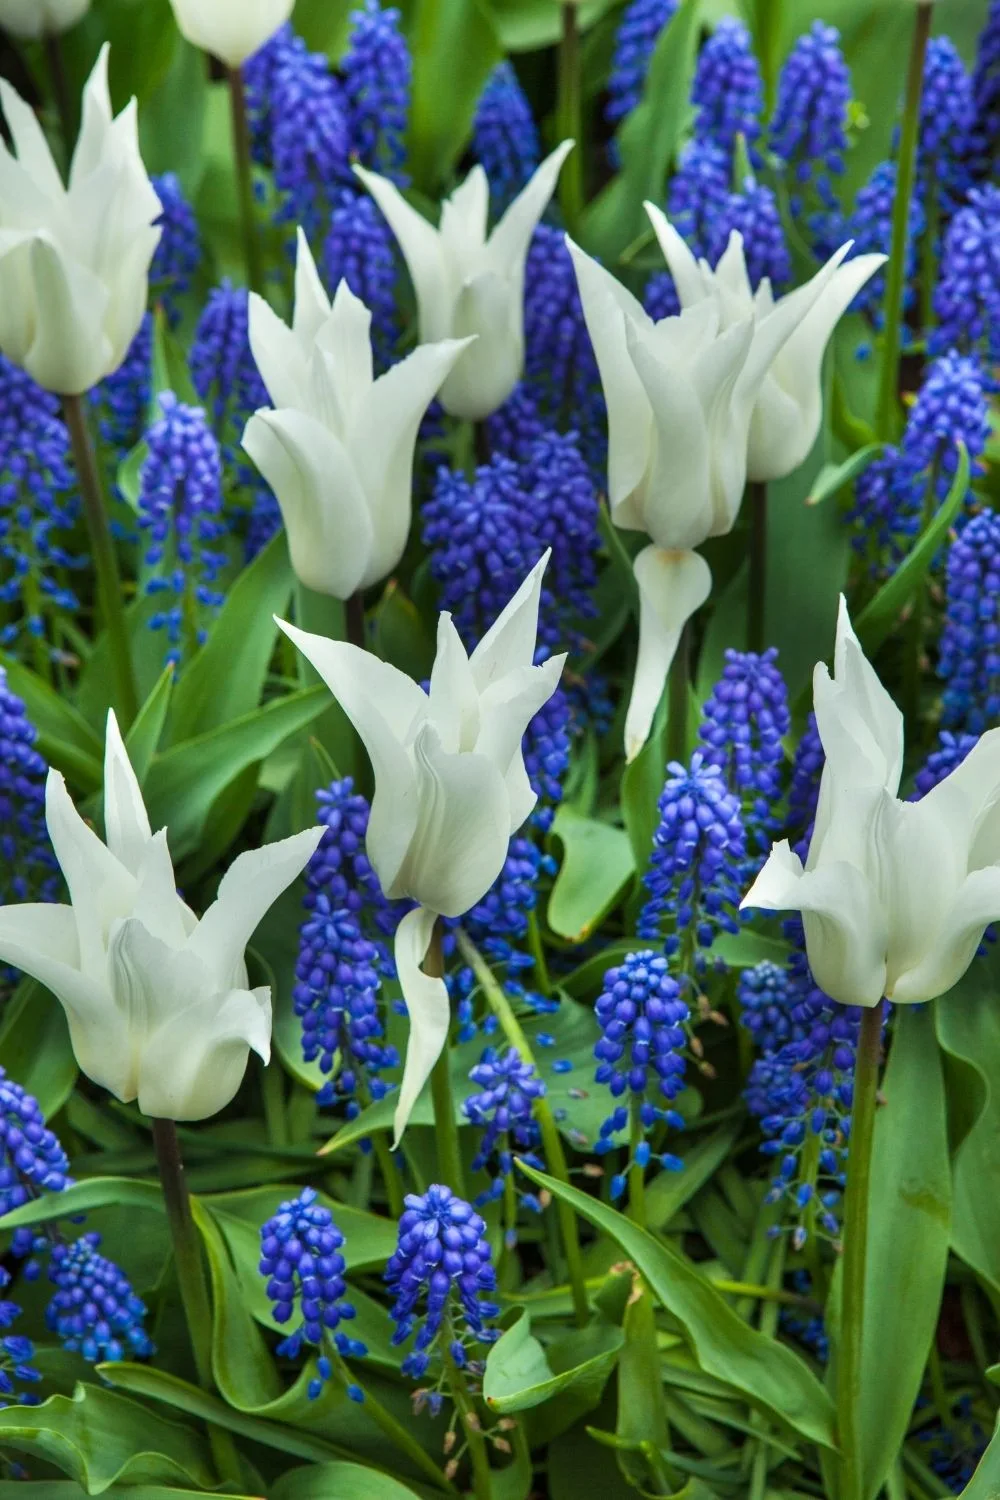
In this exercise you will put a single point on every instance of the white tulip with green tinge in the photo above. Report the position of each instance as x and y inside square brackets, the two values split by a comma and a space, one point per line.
[232, 30]
[30, 19]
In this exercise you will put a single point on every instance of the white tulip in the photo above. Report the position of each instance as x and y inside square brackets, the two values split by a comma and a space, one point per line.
[895, 896]
[468, 283]
[74, 263]
[232, 30]
[338, 451]
[680, 396]
[450, 784]
[34, 18]
[788, 408]
[157, 1001]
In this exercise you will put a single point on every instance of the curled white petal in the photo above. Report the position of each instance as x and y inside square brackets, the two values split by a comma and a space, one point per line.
[672, 586]
[428, 1009]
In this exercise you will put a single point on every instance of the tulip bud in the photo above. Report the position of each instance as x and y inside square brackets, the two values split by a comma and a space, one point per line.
[157, 1002]
[895, 896]
[338, 451]
[469, 284]
[232, 30]
[450, 784]
[74, 263]
[29, 19]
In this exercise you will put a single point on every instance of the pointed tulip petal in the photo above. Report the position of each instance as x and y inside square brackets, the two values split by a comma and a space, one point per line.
[428, 1008]
[510, 640]
[312, 305]
[508, 244]
[976, 905]
[126, 822]
[682, 265]
[421, 247]
[672, 586]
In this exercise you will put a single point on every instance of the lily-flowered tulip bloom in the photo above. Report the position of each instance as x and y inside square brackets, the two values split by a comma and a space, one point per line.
[232, 30]
[467, 283]
[788, 407]
[895, 896]
[450, 784]
[74, 263]
[338, 449]
[157, 1001]
[680, 396]
[34, 18]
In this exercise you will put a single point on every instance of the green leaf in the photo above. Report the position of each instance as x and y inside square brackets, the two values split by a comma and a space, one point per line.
[226, 677]
[143, 739]
[527, 25]
[879, 616]
[444, 96]
[771, 1377]
[400, 634]
[66, 1489]
[641, 1413]
[908, 1236]
[326, 1481]
[95, 1192]
[833, 477]
[35, 1047]
[641, 785]
[985, 1482]
[519, 1376]
[597, 865]
[99, 1438]
[668, 1192]
[647, 140]
[184, 781]
[65, 739]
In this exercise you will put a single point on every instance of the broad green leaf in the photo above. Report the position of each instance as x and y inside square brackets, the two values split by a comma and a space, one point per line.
[444, 96]
[878, 617]
[400, 634]
[94, 1192]
[526, 25]
[225, 679]
[59, 1489]
[647, 140]
[35, 1047]
[771, 1376]
[185, 780]
[329, 1481]
[641, 1413]
[597, 865]
[171, 120]
[580, 1467]
[907, 1239]
[143, 739]
[65, 739]
[519, 1375]
[985, 1482]
[99, 1438]
[668, 1192]
[641, 786]
[833, 477]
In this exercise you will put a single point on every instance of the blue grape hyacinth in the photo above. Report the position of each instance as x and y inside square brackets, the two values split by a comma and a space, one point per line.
[360, 249]
[870, 226]
[754, 214]
[639, 29]
[122, 399]
[442, 1265]
[745, 720]
[803, 786]
[32, 1160]
[94, 1311]
[502, 1109]
[967, 295]
[947, 112]
[16, 1354]
[223, 369]
[984, 137]
[947, 756]
[969, 655]
[699, 191]
[561, 371]
[808, 131]
[505, 138]
[377, 72]
[728, 91]
[30, 872]
[178, 255]
[301, 1257]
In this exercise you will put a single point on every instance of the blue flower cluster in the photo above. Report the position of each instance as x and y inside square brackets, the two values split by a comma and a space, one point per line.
[300, 1254]
[30, 872]
[178, 255]
[696, 867]
[94, 1310]
[16, 1354]
[947, 756]
[180, 509]
[639, 29]
[123, 398]
[870, 227]
[504, 136]
[698, 191]
[745, 719]
[984, 138]
[38, 506]
[644, 1023]
[728, 92]
[377, 72]
[443, 1261]
[946, 116]
[755, 215]
[803, 786]
[223, 368]
[32, 1160]
[808, 131]
[508, 1087]
[800, 1089]
[967, 295]
[969, 653]
[360, 249]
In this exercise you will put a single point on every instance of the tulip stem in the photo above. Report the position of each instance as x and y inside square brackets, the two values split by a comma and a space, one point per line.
[102, 548]
[636, 1172]
[354, 617]
[757, 595]
[552, 1146]
[243, 167]
[60, 92]
[677, 698]
[449, 1151]
[887, 414]
[191, 1280]
[855, 1240]
[569, 110]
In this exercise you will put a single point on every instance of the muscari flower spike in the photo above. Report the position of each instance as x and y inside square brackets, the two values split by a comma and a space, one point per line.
[967, 295]
[948, 755]
[502, 1109]
[178, 255]
[969, 653]
[442, 1263]
[745, 719]
[32, 1162]
[16, 1354]
[639, 29]
[808, 131]
[698, 192]
[641, 1052]
[870, 227]
[505, 138]
[984, 138]
[360, 250]
[122, 399]
[94, 1311]
[803, 786]
[947, 112]
[754, 214]
[728, 92]
[300, 1254]
[224, 372]
[180, 510]
[310, 137]
[26, 858]
[377, 72]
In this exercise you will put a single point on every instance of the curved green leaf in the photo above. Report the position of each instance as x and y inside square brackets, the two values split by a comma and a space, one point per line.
[770, 1376]
[95, 1192]
[519, 1376]
[324, 1481]
[597, 865]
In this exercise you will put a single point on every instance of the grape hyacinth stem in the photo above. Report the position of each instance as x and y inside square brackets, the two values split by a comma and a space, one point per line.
[382, 1147]
[757, 595]
[468, 1416]
[569, 109]
[109, 588]
[191, 1280]
[551, 1140]
[393, 1430]
[855, 1240]
[244, 178]
[636, 1171]
[887, 416]
[449, 1151]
